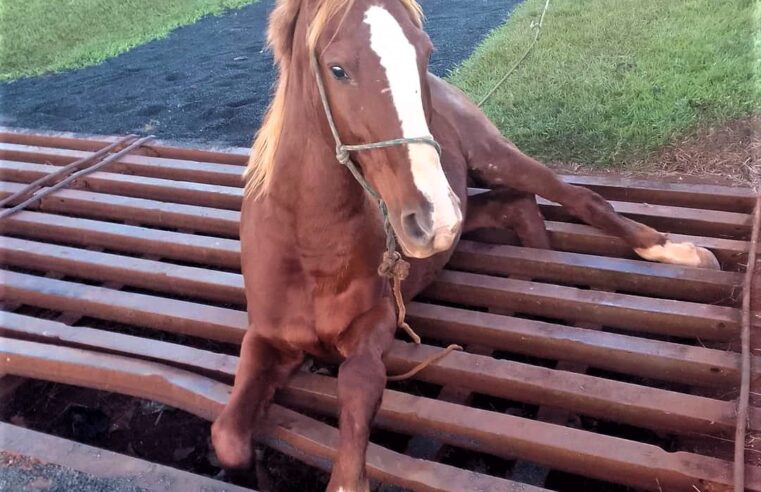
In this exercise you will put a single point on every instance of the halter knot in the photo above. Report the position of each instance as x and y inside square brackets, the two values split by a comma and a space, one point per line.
[342, 155]
[394, 266]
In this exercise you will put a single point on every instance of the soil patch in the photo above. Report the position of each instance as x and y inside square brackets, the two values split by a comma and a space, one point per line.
[731, 151]
[728, 154]
[138, 428]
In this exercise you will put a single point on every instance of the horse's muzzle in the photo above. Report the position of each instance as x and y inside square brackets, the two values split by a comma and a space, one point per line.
[422, 235]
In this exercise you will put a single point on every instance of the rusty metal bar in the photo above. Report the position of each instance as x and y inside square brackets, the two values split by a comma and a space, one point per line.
[648, 407]
[593, 396]
[215, 365]
[637, 277]
[669, 218]
[675, 219]
[476, 429]
[573, 237]
[44, 448]
[43, 192]
[182, 317]
[692, 195]
[664, 316]
[199, 283]
[162, 214]
[662, 192]
[625, 354]
[581, 238]
[675, 282]
[290, 432]
[214, 196]
[170, 150]
[743, 401]
[209, 251]
[649, 358]
[631, 276]
[135, 164]
[47, 178]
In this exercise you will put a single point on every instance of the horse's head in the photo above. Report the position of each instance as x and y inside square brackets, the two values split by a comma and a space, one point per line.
[372, 57]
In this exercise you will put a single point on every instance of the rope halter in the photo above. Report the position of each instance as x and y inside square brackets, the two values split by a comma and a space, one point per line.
[393, 266]
[343, 156]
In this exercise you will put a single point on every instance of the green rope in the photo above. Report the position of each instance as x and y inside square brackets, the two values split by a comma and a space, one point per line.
[520, 60]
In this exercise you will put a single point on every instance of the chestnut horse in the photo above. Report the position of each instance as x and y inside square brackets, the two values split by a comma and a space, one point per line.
[312, 238]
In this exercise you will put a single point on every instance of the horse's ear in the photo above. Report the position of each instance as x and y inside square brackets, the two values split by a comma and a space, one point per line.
[282, 27]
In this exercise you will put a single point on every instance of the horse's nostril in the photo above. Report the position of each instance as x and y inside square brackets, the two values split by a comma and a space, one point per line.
[417, 227]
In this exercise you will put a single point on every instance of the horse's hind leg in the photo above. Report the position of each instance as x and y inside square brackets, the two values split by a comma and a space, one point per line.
[503, 164]
[262, 369]
[508, 209]
[361, 379]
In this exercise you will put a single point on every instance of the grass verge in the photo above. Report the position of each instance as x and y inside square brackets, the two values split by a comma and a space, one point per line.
[609, 82]
[38, 36]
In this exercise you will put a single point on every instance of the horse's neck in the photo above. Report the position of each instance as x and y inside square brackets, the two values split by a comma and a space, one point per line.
[309, 172]
[320, 194]
[305, 159]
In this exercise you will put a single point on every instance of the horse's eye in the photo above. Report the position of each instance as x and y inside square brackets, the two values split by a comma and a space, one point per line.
[339, 73]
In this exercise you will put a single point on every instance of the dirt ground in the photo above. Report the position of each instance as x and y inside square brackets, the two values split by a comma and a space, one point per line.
[146, 430]
[729, 153]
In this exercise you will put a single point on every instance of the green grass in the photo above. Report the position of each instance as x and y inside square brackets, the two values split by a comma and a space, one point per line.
[611, 81]
[38, 36]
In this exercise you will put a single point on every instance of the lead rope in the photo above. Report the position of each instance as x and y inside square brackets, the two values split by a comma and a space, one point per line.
[393, 266]
[521, 59]
[743, 400]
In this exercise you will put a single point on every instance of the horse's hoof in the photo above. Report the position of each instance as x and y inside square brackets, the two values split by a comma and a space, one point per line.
[358, 488]
[362, 485]
[233, 449]
[680, 254]
[708, 259]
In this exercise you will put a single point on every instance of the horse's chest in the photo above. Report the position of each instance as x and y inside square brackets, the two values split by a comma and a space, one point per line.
[318, 302]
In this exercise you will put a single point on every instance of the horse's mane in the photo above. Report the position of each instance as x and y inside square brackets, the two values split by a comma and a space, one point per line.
[280, 37]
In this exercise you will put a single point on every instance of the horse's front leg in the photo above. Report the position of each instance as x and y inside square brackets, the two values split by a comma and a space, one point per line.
[500, 163]
[262, 369]
[361, 380]
[504, 208]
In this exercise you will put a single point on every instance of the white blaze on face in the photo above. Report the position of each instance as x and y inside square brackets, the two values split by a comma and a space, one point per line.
[399, 60]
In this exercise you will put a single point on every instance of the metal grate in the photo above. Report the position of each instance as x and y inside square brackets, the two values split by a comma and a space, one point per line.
[574, 357]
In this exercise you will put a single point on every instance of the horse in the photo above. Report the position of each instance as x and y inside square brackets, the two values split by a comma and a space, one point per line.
[312, 233]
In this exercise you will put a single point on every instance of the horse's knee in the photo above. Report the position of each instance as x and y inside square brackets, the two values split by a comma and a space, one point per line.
[361, 380]
[586, 204]
[529, 225]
